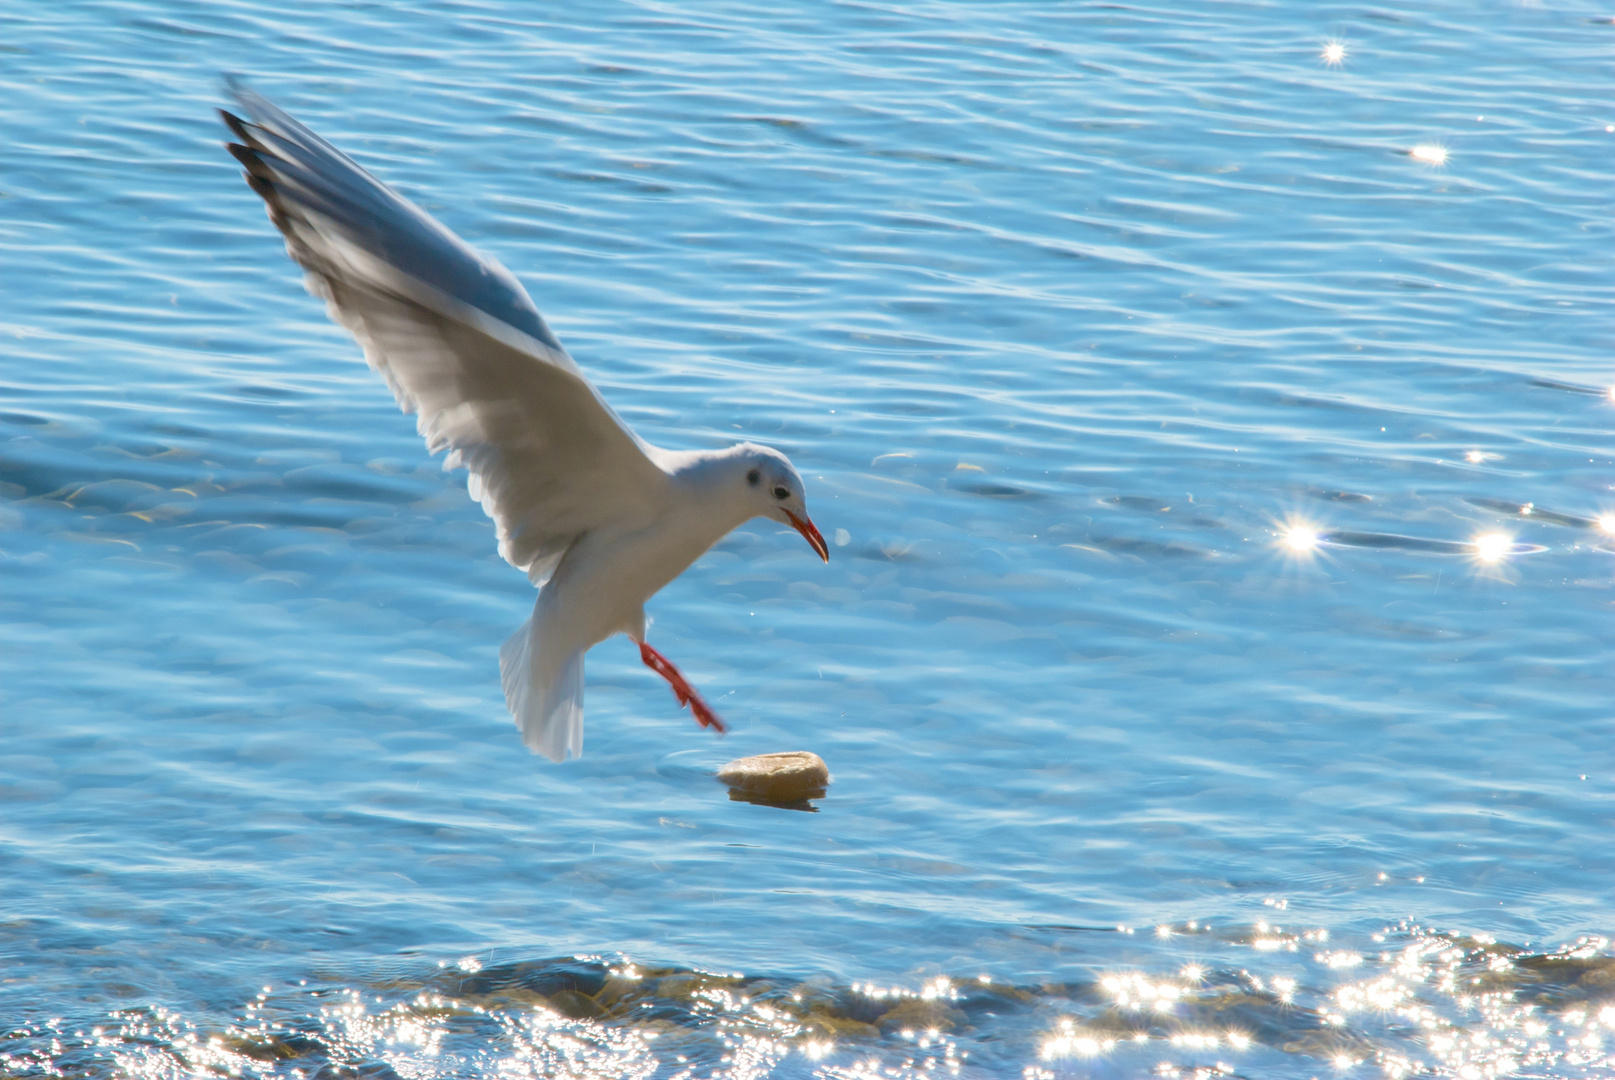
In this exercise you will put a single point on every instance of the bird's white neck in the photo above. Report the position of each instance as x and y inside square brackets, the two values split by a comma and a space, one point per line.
[714, 500]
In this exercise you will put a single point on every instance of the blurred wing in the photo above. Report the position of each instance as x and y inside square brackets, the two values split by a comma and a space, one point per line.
[458, 340]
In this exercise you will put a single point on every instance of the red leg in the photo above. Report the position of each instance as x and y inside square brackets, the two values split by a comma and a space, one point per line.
[681, 688]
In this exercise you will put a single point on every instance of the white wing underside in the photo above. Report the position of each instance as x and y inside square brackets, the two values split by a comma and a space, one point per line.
[460, 344]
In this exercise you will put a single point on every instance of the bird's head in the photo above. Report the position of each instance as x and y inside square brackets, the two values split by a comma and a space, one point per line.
[774, 490]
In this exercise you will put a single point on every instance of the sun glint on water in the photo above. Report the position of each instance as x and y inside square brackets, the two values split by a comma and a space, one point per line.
[1491, 547]
[1301, 539]
[1429, 154]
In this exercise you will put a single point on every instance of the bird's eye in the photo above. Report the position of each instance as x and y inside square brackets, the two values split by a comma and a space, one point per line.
[781, 493]
[752, 477]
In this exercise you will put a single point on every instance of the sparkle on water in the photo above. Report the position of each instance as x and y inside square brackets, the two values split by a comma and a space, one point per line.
[1491, 547]
[1429, 153]
[1301, 538]
[1482, 1010]
[1193, 710]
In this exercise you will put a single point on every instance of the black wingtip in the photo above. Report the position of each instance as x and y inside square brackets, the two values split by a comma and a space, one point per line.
[250, 159]
[265, 190]
[237, 126]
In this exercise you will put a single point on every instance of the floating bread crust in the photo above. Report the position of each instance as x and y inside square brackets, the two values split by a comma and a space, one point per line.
[795, 774]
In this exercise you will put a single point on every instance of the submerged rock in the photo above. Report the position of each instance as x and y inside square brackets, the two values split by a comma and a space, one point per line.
[781, 779]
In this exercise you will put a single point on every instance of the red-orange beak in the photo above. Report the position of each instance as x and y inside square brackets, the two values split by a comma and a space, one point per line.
[811, 532]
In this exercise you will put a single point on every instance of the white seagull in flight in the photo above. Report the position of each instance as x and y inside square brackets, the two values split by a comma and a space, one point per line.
[596, 516]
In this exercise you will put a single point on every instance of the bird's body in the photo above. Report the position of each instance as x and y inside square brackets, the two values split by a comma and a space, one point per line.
[600, 586]
[598, 518]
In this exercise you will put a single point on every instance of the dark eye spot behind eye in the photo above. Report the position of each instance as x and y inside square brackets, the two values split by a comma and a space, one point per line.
[781, 493]
[752, 477]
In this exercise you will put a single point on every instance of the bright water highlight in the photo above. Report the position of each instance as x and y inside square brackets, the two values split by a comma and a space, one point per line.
[1213, 430]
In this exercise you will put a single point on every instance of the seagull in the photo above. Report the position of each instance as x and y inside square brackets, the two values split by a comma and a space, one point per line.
[598, 518]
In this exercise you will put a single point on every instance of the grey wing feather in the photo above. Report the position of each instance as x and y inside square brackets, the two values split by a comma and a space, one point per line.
[458, 340]
[383, 222]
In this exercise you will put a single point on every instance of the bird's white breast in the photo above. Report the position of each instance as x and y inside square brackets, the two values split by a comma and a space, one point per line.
[601, 586]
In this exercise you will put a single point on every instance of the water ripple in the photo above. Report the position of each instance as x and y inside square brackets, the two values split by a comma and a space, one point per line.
[1183, 422]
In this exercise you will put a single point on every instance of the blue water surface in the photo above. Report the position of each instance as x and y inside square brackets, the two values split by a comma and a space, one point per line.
[1212, 427]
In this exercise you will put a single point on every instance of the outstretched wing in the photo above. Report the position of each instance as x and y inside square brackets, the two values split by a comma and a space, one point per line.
[458, 340]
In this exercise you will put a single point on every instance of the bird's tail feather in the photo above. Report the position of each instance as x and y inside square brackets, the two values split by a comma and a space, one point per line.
[544, 694]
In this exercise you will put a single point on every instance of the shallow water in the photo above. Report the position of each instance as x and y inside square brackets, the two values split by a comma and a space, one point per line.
[1068, 314]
